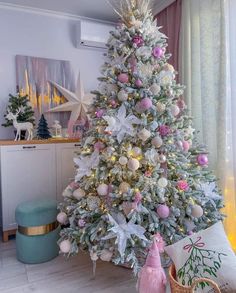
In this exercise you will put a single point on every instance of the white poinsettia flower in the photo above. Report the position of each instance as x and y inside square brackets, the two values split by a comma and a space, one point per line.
[152, 156]
[86, 164]
[144, 51]
[123, 231]
[209, 189]
[121, 124]
[146, 70]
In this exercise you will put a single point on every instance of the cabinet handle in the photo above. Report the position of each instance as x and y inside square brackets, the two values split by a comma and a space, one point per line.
[29, 147]
[77, 145]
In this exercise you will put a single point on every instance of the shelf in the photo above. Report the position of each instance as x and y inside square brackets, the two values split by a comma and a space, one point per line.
[38, 141]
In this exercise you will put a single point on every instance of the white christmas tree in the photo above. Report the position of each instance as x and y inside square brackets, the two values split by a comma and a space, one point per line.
[139, 170]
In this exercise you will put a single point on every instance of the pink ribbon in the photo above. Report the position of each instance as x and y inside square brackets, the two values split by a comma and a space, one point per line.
[189, 247]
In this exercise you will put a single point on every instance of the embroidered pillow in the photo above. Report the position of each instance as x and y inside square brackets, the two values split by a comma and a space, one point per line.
[205, 254]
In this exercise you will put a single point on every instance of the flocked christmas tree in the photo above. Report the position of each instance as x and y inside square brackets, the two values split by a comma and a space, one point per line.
[19, 103]
[140, 170]
[43, 130]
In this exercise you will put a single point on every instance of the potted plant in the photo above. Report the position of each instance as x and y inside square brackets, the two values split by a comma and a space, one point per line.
[19, 104]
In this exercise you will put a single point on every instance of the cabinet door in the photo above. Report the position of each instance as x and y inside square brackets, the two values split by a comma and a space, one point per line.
[65, 154]
[27, 172]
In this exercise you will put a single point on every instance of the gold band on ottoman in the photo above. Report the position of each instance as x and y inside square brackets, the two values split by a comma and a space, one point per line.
[38, 230]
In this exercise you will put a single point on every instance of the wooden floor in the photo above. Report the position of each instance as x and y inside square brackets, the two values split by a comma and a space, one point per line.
[61, 275]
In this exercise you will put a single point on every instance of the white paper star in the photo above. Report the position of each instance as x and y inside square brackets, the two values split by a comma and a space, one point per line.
[86, 164]
[123, 231]
[152, 157]
[78, 102]
[120, 125]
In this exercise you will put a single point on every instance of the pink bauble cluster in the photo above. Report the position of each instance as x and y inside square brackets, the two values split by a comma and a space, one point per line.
[163, 211]
[202, 159]
[183, 185]
[158, 52]
[145, 104]
[81, 223]
[164, 130]
[138, 40]
[123, 78]
[99, 146]
[99, 113]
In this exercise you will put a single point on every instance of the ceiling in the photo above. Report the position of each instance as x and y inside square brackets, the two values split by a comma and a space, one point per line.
[98, 9]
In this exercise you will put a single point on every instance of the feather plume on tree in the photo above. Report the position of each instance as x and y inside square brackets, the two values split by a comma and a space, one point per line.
[128, 10]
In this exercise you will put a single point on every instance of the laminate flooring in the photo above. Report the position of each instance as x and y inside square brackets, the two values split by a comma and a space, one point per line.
[61, 275]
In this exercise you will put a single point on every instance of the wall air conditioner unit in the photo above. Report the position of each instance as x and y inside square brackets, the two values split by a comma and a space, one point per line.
[93, 34]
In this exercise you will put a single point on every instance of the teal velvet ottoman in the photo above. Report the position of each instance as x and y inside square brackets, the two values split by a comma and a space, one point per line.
[38, 231]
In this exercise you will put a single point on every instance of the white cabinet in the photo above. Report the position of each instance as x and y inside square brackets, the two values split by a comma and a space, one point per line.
[27, 172]
[65, 154]
[33, 171]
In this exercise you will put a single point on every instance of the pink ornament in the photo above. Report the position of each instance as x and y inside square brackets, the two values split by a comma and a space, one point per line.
[152, 278]
[183, 185]
[186, 145]
[138, 83]
[99, 146]
[123, 78]
[190, 233]
[138, 41]
[99, 113]
[158, 52]
[164, 130]
[81, 223]
[113, 103]
[181, 104]
[202, 159]
[138, 197]
[148, 174]
[145, 104]
[74, 185]
[163, 211]
[133, 63]
[65, 246]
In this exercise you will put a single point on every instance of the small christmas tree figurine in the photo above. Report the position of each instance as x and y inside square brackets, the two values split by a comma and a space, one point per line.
[19, 104]
[43, 131]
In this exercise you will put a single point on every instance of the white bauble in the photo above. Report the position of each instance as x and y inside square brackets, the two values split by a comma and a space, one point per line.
[102, 189]
[155, 89]
[174, 109]
[136, 151]
[67, 192]
[65, 246]
[160, 107]
[106, 255]
[124, 187]
[162, 182]
[144, 134]
[123, 160]
[162, 159]
[79, 193]
[133, 164]
[93, 256]
[122, 95]
[157, 141]
[197, 211]
[62, 218]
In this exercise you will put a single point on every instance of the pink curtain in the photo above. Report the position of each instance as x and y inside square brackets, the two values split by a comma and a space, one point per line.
[170, 19]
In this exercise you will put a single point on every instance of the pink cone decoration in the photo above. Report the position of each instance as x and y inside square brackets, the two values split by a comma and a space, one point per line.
[152, 278]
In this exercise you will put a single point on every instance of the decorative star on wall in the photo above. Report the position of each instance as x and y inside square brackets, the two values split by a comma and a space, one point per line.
[77, 103]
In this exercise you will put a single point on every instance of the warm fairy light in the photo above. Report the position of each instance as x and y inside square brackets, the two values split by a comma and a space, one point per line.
[113, 158]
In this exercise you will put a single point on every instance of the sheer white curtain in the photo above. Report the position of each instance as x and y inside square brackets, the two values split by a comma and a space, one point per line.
[205, 72]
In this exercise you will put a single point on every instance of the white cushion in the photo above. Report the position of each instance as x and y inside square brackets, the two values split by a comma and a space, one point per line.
[205, 254]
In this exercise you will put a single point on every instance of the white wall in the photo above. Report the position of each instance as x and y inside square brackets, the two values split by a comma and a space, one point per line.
[48, 36]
